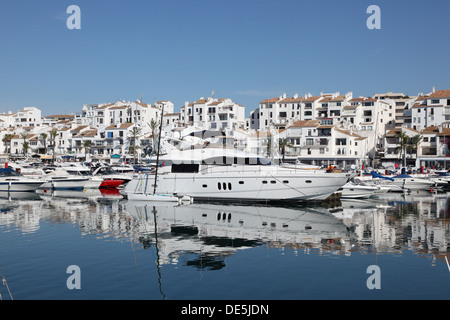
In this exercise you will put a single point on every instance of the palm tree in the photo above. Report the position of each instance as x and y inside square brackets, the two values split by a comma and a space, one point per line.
[24, 136]
[153, 125]
[25, 146]
[284, 143]
[415, 141]
[135, 132]
[43, 137]
[53, 134]
[403, 143]
[87, 146]
[7, 141]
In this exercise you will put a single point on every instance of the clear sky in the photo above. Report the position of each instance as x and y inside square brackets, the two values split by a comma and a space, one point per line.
[246, 50]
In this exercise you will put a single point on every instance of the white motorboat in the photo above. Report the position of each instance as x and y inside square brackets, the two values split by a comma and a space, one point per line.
[60, 179]
[12, 181]
[123, 169]
[228, 174]
[354, 190]
[80, 171]
[411, 183]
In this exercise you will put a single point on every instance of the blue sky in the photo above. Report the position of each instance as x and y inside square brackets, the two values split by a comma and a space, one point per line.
[246, 50]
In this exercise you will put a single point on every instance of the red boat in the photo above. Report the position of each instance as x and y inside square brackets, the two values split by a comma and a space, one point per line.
[110, 183]
[110, 192]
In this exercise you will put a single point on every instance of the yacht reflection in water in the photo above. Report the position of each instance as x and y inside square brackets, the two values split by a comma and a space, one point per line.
[207, 233]
[203, 234]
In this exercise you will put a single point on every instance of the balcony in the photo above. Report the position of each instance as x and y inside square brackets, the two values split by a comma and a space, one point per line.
[315, 143]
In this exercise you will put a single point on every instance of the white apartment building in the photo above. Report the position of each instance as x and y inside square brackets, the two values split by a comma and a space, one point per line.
[104, 115]
[402, 102]
[431, 110]
[336, 105]
[7, 120]
[213, 113]
[280, 112]
[28, 117]
[252, 122]
[392, 152]
[433, 150]
[320, 143]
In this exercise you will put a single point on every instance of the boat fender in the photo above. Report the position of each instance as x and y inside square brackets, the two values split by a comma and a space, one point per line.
[45, 190]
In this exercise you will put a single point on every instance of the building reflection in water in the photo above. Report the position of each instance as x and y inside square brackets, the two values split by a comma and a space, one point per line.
[202, 235]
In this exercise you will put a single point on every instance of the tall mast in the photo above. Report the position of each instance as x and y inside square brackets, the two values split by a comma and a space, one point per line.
[159, 145]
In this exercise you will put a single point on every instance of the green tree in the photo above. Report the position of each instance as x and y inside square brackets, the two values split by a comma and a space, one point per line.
[87, 145]
[53, 134]
[43, 136]
[135, 132]
[7, 141]
[25, 146]
[403, 141]
[415, 141]
[284, 143]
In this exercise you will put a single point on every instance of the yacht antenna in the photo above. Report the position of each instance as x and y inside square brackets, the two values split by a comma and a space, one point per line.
[159, 145]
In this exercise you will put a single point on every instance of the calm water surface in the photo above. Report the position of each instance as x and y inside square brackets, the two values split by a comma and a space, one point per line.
[155, 251]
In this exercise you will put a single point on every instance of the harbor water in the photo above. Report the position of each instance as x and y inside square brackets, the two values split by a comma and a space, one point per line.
[88, 245]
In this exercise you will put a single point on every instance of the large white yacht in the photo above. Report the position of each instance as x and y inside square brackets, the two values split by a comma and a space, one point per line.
[228, 174]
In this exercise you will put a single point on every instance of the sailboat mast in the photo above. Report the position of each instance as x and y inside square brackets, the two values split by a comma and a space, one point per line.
[159, 145]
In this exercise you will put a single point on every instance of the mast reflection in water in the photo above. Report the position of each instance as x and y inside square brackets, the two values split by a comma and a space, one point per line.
[149, 250]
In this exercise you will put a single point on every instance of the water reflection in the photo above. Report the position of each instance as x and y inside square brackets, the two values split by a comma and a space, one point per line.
[205, 234]
[202, 235]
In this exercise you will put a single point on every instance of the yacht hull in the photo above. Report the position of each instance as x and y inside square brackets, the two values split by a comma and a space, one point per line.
[20, 186]
[255, 186]
[357, 192]
[65, 183]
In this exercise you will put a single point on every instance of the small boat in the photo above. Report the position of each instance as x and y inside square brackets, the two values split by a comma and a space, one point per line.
[111, 178]
[123, 169]
[97, 180]
[60, 179]
[12, 181]
[110, 183]
[79, 171]
[354, 190]
[407, 182]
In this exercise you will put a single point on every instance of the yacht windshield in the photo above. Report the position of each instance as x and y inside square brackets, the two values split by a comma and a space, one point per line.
[106, 170]
[83, 173]
[8, 172]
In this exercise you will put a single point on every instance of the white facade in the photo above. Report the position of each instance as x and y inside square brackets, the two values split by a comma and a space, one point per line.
[431, 110]
[28, 117]
[213, 113]
[317, 142]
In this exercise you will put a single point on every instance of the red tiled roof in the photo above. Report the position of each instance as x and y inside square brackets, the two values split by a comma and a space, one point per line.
[440, 94]
[272, 100]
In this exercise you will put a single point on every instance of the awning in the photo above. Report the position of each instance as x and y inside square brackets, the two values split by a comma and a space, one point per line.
[46, 156]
